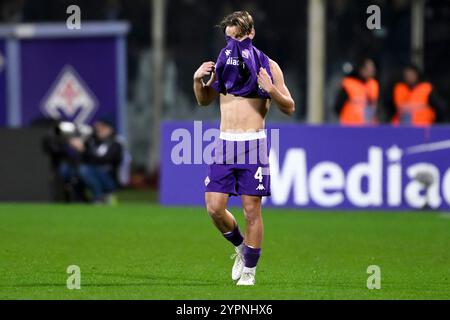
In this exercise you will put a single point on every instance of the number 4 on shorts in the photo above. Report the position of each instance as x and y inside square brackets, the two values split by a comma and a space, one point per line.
[259, 175]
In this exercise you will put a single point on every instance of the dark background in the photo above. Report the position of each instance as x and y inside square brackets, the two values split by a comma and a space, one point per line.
[281, 32]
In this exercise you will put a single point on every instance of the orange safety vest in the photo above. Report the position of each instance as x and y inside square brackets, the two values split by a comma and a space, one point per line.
[412, 104]
[360, 107]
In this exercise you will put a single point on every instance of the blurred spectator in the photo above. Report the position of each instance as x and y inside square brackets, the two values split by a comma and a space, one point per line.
[101, 157]
[414, 101]
[65, 160]
[357, 100]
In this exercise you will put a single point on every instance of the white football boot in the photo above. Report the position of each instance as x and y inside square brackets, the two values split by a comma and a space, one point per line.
[247, 277]
[238, 263]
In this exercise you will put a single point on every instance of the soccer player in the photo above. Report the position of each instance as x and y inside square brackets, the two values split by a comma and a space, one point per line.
[247, 81]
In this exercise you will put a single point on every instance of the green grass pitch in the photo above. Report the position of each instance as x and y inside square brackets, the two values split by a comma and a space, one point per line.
[150, 252]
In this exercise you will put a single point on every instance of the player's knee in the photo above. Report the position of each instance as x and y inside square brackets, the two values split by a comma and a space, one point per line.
[252, 213]
[215, 209]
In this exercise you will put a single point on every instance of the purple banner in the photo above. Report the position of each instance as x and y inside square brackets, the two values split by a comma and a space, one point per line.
[329, 167]
[71, 79]
[2, 83]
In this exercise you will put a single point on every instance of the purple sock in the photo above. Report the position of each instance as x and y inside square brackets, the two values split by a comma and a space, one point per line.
[235, 236]
[251, 256]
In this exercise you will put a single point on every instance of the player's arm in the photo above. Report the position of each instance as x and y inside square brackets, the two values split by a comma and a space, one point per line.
[277, 89]
[204, 93]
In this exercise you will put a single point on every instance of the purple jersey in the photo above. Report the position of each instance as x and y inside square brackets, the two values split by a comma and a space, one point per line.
[237, 68]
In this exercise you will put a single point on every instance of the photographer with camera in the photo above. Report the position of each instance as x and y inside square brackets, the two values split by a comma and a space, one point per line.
[101, 155]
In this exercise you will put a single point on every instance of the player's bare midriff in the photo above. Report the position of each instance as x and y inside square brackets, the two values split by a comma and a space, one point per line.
[240, 114]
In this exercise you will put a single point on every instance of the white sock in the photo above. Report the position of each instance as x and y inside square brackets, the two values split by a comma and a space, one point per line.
[249, 270]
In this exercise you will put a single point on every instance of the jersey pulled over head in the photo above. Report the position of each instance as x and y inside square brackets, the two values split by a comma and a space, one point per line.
[238, 64]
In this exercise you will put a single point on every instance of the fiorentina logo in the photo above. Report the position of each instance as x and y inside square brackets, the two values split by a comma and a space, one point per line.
[69, 98]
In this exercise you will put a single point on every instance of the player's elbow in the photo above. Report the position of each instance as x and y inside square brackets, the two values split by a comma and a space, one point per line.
[203, 103]
[290, 110]
[204, 98]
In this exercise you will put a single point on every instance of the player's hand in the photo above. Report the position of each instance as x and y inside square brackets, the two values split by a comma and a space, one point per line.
[206, 69]
[264, 80]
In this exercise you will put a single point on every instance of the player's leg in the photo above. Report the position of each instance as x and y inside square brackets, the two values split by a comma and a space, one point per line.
[216, 204]
[253, 183]
[254, 231]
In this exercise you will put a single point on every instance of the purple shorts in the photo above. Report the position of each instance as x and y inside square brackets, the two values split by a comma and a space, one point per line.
[240, 167]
